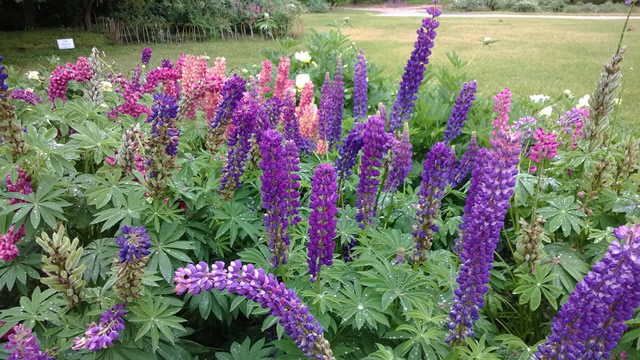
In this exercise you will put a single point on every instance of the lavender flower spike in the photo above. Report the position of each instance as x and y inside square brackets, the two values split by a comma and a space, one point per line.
[373, 143]
[322, 221]
[401, 164]
[337, 105]
[146, 56]
[467, 161]
[103, 335]
[27, 96]
[348, 154]
[325, 110]
[360, 87]
[460, 111]
[492, 182]
[24, 345]
[134, 243]
[590, 324]
[414, 71]
[292, 156]
[264, 289]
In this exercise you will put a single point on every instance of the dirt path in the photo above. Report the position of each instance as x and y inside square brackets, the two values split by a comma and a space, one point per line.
[419, 11]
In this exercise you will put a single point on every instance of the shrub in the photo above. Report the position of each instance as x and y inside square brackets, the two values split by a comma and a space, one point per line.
[525, 6]
[464, 5]
[317, 6]
[553, 5]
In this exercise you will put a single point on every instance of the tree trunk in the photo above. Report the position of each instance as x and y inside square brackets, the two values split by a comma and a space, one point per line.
[88, 5]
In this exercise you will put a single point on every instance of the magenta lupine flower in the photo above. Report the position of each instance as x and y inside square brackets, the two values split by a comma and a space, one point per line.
[232, 92]
[61, 76]
[102, 335]
[282, 78]
[360, 88]
[525, 126]
[348, 154]
[292, 156]
[545, 146]
[373, 143]
[274, 195]
[590, 324]
[171, 87]
[325, 110]
[468, 161]
[414, 71]
[460, 111]
[131, 93]
[8, 241]
[159, 76]
[338, 104]
[492, 183]
[439, 170]
[27, 96]
[23, 345]
[502, 107]
[401, 163]
[322, 220]
[22, 185]
[258, 286]
[134, 243]
[146, 56]
[264, 86]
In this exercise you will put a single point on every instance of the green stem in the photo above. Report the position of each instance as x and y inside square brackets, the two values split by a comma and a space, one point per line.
[538, 186]
[389, 209]
[624, 28]
[474, 55]
[380, 187]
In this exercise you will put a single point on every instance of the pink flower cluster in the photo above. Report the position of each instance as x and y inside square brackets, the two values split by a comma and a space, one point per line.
[502, 107]
[545, 146]
[8, 248]
[282, 78]
[264, 86]
[61, 76]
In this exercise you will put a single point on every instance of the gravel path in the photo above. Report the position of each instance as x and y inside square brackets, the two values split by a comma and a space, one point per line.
[419, 11]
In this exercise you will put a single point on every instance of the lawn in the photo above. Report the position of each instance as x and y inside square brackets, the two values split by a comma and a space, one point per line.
[531, 56]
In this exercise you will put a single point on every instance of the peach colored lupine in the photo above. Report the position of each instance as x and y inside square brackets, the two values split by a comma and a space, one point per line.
[321, 147]
[306, 98]
[309, 121]
[282, 78]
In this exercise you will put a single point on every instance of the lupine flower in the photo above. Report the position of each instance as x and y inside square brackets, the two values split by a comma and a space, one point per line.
[338, 105]
[382, 112]
[163, 144]
[94, 85]
[129, 267]
[10, 128]
[231, 94]
[27, 96]
[8, 241]
[306, 98]
[414, 71]
[325, 110]
[274, 195]
[61, 76]
[159, 76]
[545, 146]
[492, 183]
[220, 66]
[348, 153]
[282, 78]
[8, 248]
[401, 163]
[210, 85]
[308, 121]
[529, 247]
[131, 93]
[22, 185]
[360, 88]
[468, 161]
[321, 147]
[130, 149]
[102, 335]
[502, 107]
[322, 221]
[400, 256]
[572, 122]
[590, 324]
[292, 156]
[24, 345]
[439, 171]
[146, 56]
[194, 73]
[171, 87]
[212, 98]
[460, 111]
[265, 78]
[373, 143]
[347, 250]
[273, 106]
[291, 125]
[525, 126]
[3, 77]
[258, 286]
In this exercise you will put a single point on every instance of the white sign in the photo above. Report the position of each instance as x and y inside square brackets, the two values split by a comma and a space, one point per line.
[64, 44]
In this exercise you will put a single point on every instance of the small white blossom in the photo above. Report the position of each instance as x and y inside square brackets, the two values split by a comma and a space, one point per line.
[266, 15]
[104, 106]
[244, 70]
[539, 98]
[302, 79]
[106, 86]
[547, 111]
[303, 56]
[583, 102]
[33, 75]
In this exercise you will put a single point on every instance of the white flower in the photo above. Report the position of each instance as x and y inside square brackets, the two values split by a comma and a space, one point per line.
[33, 75]
[567, 91]
[547, 111]
[266, 15]
[583, 102]
[539, 98]
[302, 79]
[104, 106]
[617, 101]
[303, 56]
[106, 86]
[205, 57]
[244, 70]
[345, 19]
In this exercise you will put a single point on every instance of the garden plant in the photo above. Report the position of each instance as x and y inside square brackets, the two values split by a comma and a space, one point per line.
[310, 208]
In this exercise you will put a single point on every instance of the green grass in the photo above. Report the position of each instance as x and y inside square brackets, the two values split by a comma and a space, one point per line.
[532, 56]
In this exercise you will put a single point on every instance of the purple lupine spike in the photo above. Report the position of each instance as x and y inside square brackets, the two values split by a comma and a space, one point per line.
[526, 126]
[102, 335]
[347, 250]
[293, 181]
[325, 110]
[27, 96]
[273, 107]
[274, 195]
[167, 63]
[348, 154]
[467, 161]
[338, 105]
[163, 145]
[134, 243]
[360, 88]
[23, 345]
[290, 119]
[231, 95]
[262, 288]
[492, 183]
[146, 56]
[460, 111]
[3, 76]
[439, 170]
[590, 324]
[414, 71]
[165, 109]
[373, 143]
[322, 220]
[401, 163]
[243, 127]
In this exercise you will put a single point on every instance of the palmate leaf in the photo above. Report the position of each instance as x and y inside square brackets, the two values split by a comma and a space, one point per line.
[477, 350]
[425, 337]
[156, 317]
[361, 306]
[98, 256]
[18, 270]
[536, 285]
[122, 214]
[236, 220]
[563, 212]
[42, 306]
[92, 139]
[53, 156]
[122, 351]
[246, 351]
[567, 263]
[107, 186]
[165, 245]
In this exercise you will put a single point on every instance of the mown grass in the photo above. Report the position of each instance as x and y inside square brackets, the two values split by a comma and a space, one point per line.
[532, 56]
